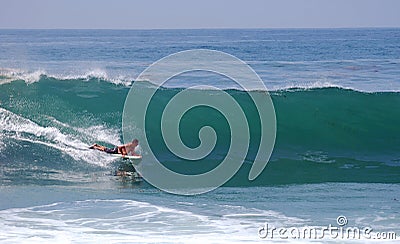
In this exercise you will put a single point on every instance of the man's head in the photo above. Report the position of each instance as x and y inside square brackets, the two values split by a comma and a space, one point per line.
[135, 142]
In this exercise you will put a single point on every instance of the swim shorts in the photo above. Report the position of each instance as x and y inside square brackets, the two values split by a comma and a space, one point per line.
[111, 150]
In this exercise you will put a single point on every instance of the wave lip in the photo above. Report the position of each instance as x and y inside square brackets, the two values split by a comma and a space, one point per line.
[29, 77]
[8, 75]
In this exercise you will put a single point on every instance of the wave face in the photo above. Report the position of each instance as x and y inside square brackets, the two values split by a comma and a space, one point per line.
[47, 126]
[326, 134]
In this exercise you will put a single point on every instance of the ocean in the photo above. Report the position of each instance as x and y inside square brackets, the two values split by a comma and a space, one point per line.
[336, 157]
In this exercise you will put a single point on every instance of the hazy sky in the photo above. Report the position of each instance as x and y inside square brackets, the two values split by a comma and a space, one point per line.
[171, 14]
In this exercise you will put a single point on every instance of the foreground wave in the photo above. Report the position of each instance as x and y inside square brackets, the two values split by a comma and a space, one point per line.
[326, 134]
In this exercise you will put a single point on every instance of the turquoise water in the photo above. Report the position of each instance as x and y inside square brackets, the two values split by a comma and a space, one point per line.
[336, 97]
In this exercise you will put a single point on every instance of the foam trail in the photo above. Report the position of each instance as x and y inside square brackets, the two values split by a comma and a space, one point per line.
[93, 133]
[22, 129]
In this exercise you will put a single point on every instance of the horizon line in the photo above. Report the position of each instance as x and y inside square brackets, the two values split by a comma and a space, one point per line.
[205, 28]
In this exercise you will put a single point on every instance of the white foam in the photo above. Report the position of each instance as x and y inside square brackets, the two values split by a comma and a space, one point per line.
[98, 221]
[23, 129]
[308, 86]
[117, 221]
[16, 74]
[9, 75]
[93, 133]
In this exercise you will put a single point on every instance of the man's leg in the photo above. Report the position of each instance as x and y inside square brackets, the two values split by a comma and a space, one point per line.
[98, 147]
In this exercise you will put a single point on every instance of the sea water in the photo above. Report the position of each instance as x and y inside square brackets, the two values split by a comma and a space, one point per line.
[336, 94]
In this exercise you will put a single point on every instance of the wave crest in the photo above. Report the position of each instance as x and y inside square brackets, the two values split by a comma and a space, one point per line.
[10, 75]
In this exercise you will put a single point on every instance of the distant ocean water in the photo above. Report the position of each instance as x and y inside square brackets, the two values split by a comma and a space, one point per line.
[336, 94]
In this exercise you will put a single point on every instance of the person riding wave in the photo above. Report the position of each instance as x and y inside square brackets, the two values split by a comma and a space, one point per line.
[126, 149]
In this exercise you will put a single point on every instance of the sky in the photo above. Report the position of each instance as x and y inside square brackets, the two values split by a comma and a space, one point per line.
[189, 14]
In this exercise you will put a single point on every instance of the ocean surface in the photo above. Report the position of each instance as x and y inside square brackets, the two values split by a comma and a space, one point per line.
[336, 94]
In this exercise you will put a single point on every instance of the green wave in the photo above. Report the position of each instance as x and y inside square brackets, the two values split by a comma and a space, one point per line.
[323, 134]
